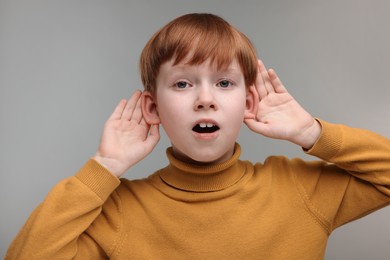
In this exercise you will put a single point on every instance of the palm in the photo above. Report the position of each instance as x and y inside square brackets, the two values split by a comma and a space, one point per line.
[278, 114]
[281, 116]
[119, 136]
[126, 138]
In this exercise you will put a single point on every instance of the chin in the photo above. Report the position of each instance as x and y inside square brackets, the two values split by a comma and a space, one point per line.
[205, 160]
[208, 158]
[204, 155]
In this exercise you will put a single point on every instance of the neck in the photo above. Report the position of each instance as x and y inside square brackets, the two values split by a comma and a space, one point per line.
[202, 178]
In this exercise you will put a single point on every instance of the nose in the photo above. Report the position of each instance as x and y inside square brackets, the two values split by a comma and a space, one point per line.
[205, 99]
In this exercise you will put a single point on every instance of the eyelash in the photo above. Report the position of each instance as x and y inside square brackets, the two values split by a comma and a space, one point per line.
[177, 84]
[225, 81]
[181, 82]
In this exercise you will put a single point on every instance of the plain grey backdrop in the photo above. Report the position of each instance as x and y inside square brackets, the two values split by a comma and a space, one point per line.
[64, 65]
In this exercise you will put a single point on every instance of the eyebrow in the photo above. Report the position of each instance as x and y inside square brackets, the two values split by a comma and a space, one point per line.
[179, 71]
[230, 69]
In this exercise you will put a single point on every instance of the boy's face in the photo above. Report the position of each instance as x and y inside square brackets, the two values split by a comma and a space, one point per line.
[202, 109]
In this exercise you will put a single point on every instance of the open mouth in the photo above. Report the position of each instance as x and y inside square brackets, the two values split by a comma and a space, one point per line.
[205, 128]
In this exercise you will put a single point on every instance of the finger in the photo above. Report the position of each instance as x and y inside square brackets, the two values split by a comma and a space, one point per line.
[276, 82]
[130, 106]
[260, 84]
[265, 76]
[137, 113]
[116, 115]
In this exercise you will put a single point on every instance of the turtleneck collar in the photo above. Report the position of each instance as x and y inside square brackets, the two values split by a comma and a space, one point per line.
[196, 178]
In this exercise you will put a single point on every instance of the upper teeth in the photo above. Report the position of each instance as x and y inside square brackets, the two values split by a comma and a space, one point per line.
[203, 125]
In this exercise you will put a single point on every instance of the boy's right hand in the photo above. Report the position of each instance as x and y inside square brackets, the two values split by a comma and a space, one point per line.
[126, 138]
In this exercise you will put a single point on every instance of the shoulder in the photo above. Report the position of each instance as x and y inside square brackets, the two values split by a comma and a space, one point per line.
[281, 171]
[136, 188]
[282, 164]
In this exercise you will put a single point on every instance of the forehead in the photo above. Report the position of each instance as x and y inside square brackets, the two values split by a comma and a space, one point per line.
[170, 68]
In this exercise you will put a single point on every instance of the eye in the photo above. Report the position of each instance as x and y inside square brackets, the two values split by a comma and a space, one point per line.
[181, 84]
[224, 83]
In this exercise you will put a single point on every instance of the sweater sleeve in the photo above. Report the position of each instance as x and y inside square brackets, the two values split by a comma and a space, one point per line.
[353, 181]
[57, 228]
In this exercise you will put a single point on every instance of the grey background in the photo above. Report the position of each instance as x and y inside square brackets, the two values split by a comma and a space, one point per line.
[64, 65]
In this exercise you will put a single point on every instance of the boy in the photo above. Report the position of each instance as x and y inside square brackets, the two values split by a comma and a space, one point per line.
[202, 81]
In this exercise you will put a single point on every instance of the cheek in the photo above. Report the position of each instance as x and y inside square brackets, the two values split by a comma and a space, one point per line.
[234, 116]
[172, 117]
[235, 107]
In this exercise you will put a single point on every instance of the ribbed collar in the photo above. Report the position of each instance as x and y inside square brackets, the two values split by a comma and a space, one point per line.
[195, 178]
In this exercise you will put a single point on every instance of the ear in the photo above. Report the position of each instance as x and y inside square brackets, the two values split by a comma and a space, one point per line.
[149, 108]
[252, 102]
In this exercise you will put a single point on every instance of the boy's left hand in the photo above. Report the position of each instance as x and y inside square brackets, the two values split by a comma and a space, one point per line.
[279, 115]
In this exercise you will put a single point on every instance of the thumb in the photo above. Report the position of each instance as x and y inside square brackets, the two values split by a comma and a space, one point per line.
[153, 137]
[256, 126]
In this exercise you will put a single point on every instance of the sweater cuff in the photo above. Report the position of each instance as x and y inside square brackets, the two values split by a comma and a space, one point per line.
[98, 179]
[329, 143]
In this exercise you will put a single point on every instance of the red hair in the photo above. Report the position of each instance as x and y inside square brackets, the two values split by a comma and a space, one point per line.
[204, 36]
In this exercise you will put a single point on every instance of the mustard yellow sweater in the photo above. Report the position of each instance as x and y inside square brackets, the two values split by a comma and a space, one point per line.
[279, 209]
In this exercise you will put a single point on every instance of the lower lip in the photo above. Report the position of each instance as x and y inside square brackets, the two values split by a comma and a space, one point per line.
[206, 136]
